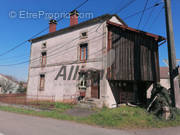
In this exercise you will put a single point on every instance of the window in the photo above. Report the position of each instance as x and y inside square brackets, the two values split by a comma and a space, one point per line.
[43, 45]
[83, 52]
[83, 35]
[42, 82]
[44, 57]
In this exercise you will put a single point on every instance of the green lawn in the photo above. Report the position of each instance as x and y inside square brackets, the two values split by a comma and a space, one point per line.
[123, 117]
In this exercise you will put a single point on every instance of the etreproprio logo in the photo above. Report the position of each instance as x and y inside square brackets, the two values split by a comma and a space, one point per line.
[25, 14]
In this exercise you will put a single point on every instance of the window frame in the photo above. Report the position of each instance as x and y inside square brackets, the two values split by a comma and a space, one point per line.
[85, 52]
[42, 80]
[44, 45]
[43, 58]
[83, 37]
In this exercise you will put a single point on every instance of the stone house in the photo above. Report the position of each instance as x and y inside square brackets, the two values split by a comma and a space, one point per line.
[101, 61]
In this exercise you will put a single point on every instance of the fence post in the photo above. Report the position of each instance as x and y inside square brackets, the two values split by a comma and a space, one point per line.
[25, 99]
[37, 100]
[15, 99]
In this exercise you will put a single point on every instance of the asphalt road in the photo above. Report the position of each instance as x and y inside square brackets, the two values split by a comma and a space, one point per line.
[16, 124]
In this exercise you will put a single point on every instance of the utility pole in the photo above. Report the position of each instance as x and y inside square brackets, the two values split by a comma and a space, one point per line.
[173, 70]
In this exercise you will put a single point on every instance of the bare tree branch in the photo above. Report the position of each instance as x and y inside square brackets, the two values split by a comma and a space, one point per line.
[7, 85]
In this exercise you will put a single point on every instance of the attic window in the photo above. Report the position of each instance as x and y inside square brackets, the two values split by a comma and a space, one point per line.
[84, 35]
[44, 45]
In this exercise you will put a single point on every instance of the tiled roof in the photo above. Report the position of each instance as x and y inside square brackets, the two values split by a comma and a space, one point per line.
[164, 72]
[78, 26]
[9, 78]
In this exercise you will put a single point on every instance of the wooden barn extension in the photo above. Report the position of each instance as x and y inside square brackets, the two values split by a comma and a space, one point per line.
[136, 64]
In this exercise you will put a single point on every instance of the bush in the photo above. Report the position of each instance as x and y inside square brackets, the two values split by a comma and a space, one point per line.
[161, 99]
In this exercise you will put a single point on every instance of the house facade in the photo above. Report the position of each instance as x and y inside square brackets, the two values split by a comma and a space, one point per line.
[98, 61]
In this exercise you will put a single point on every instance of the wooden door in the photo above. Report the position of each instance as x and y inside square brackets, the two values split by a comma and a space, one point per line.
[95, 88]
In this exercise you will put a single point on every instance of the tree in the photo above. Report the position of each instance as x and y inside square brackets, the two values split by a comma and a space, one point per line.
[7, 86]
[21, 88]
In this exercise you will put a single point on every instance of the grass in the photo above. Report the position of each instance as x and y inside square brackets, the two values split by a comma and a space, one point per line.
[57, 112]
[129, 117]
[61, 107]
[122, 118]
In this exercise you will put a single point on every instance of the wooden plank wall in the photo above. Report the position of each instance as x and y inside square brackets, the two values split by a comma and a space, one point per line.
[136, 56]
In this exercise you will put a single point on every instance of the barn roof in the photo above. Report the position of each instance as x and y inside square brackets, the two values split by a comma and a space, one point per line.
[164, 72]
[156, 37]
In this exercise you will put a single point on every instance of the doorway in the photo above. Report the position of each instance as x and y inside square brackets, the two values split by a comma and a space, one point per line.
[95, 85]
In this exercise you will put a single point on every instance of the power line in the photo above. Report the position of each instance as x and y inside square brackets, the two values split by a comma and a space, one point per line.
[57, 54]
[75, 62]
[113, 10]
[156, 17]
[35, 59]
[56, 49]
[138, 12]
[79, 6]
[22, 43]
[73, 46]
[17, 46]
[142, 13]
[149, 17]
[38, 57]
[13, 57]
[32, 60]
[122, 8]
[67, 43]
[125, 6]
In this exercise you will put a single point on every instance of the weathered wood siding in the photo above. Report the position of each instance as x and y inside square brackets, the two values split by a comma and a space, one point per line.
[136, 56]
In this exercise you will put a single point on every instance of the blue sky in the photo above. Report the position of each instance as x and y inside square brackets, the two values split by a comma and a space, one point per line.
[15, 30]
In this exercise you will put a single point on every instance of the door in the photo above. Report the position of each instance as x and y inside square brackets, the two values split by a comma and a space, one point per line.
[95, 88]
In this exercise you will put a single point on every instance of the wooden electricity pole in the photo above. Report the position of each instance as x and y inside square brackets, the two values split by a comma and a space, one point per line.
[172, 56]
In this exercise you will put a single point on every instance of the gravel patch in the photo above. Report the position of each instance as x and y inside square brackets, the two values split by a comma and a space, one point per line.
[80, 112]
[21, 106]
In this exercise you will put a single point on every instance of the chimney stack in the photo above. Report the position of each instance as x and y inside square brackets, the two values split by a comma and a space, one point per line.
[52, 25]
[74, 17]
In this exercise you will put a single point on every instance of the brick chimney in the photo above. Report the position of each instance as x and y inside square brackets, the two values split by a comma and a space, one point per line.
[52, 25]
[74, 17]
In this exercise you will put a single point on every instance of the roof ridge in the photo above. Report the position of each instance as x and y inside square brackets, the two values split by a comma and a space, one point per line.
[81, 24]
[9, 78]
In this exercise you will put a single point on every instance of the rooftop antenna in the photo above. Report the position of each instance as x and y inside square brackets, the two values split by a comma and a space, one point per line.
[177, 61]
[167, 63]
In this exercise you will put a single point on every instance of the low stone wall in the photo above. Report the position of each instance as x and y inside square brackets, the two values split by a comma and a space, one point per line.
[24, 99]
